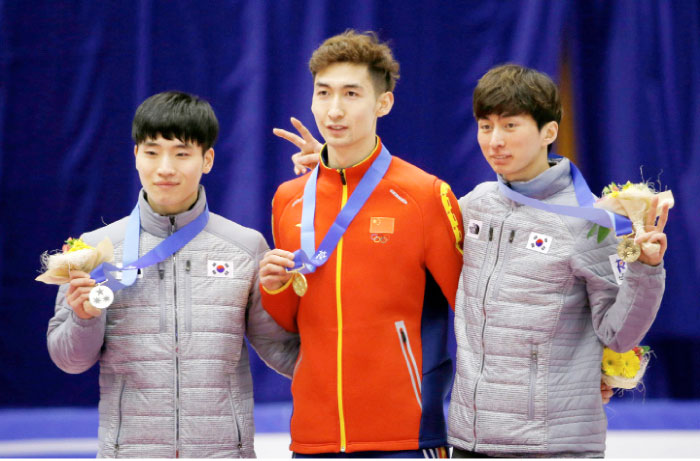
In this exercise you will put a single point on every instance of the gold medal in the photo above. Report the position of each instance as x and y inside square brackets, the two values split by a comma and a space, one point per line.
[299, 284]
[628, 251]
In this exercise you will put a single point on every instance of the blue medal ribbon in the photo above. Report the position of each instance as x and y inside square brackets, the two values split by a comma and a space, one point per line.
[161, 252]
[585, 198]
[307, 264]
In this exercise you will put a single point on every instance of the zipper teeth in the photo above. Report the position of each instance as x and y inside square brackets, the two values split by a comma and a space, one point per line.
[339, 309]
[483, 325]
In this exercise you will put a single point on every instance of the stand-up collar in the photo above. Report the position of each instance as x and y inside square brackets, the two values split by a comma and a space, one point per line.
[162, 226]
[353, 173]
[549, 182]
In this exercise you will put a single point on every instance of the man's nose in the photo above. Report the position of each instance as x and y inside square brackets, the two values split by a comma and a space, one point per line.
[165, 166]
[336, 110]
[496, 138]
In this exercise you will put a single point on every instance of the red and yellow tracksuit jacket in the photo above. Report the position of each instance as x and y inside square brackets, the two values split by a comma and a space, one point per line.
[373, 368]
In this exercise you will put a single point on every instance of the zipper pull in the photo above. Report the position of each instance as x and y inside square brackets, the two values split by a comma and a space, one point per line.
[187, 266]
[403, 336]
[342, 177]
[490, 233]
[512, 236]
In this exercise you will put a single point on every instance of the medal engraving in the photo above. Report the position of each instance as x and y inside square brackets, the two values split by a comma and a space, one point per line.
[101, 296]
[299, 284]
[628, 251]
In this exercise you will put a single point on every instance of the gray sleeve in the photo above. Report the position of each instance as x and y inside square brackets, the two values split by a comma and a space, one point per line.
[622, 314]
[277, 347]
[74, 344]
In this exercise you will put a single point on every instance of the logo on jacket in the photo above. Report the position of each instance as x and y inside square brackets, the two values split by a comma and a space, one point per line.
[539, 242]
[619, 267]
[473, 228]
[219, 268]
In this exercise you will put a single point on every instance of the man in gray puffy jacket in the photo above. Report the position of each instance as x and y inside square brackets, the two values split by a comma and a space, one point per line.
[174, 373]
[537, 299]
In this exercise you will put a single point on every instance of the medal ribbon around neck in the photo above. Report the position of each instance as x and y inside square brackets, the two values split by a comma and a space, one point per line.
[620, 224]
[102, 274]
[302, 262]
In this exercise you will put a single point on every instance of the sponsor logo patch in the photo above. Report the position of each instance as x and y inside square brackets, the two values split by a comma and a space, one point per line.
[474, 228]
[619, 268]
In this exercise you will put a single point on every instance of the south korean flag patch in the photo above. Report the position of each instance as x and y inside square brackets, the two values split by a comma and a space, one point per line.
[539, 242]
[217, 268]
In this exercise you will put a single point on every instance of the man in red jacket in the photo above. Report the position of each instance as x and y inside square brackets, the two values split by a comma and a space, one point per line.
[368, 251]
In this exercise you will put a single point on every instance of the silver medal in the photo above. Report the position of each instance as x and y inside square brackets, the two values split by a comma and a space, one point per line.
[101, 296]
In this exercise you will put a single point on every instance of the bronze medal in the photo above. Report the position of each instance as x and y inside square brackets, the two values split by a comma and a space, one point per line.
[628, 251]
[299, 284]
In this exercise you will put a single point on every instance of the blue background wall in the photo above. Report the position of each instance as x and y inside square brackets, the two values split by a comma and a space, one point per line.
[72, 74]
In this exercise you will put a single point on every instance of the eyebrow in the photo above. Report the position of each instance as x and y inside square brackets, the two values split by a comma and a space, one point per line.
[155, 144]
[347, 85]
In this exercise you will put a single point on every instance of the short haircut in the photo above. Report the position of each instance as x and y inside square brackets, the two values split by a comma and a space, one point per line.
[511, 89]
[356, 48]
[174, 114]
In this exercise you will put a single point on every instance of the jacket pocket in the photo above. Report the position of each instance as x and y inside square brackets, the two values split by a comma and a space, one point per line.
[411, 366]
[120, 416]
[188, 296]
[161, 298]
[533, 382]
[237, 433]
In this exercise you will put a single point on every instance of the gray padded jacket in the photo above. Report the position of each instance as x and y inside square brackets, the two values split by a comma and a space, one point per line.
[531, 324]
[174, 373]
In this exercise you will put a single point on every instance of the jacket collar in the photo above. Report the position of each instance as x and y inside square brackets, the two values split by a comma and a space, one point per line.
[551, 181]
[162, 226]
[354, 173]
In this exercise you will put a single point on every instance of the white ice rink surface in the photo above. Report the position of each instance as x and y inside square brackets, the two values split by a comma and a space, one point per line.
[621, 444]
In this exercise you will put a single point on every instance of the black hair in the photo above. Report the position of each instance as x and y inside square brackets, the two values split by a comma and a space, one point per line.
[174, 114]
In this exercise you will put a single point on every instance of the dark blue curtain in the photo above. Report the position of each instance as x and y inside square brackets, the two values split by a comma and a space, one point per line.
[72, 73]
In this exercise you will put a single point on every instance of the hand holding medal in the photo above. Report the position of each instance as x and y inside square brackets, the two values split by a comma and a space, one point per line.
[642, 205]
[72, 265]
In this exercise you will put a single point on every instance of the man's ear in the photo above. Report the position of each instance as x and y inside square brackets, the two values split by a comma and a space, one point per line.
[208, 160]
[385, 102]
[550, 132]
[136, 149]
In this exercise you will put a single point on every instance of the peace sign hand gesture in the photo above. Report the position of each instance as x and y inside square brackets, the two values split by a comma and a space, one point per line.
[652, 239]
[310, 148]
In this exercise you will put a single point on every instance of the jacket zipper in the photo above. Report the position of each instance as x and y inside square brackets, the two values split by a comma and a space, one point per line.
[339, 313]
[234, 414]
[533, 381]
[483, 325]
[163, 303]
[188, 297]
[410, 361]
[177, 352]
[119, 426]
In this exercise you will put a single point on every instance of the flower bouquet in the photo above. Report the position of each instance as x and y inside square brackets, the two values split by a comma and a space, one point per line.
[75, 255]
[633, 201]
[625, 370]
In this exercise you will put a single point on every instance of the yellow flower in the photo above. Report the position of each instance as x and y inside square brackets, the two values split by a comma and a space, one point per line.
[612, 364]
[615, 364]
[75, 245]
[631, 364]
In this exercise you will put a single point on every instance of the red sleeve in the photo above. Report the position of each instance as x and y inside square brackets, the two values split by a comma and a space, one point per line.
[281, 304]
[444, 233]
